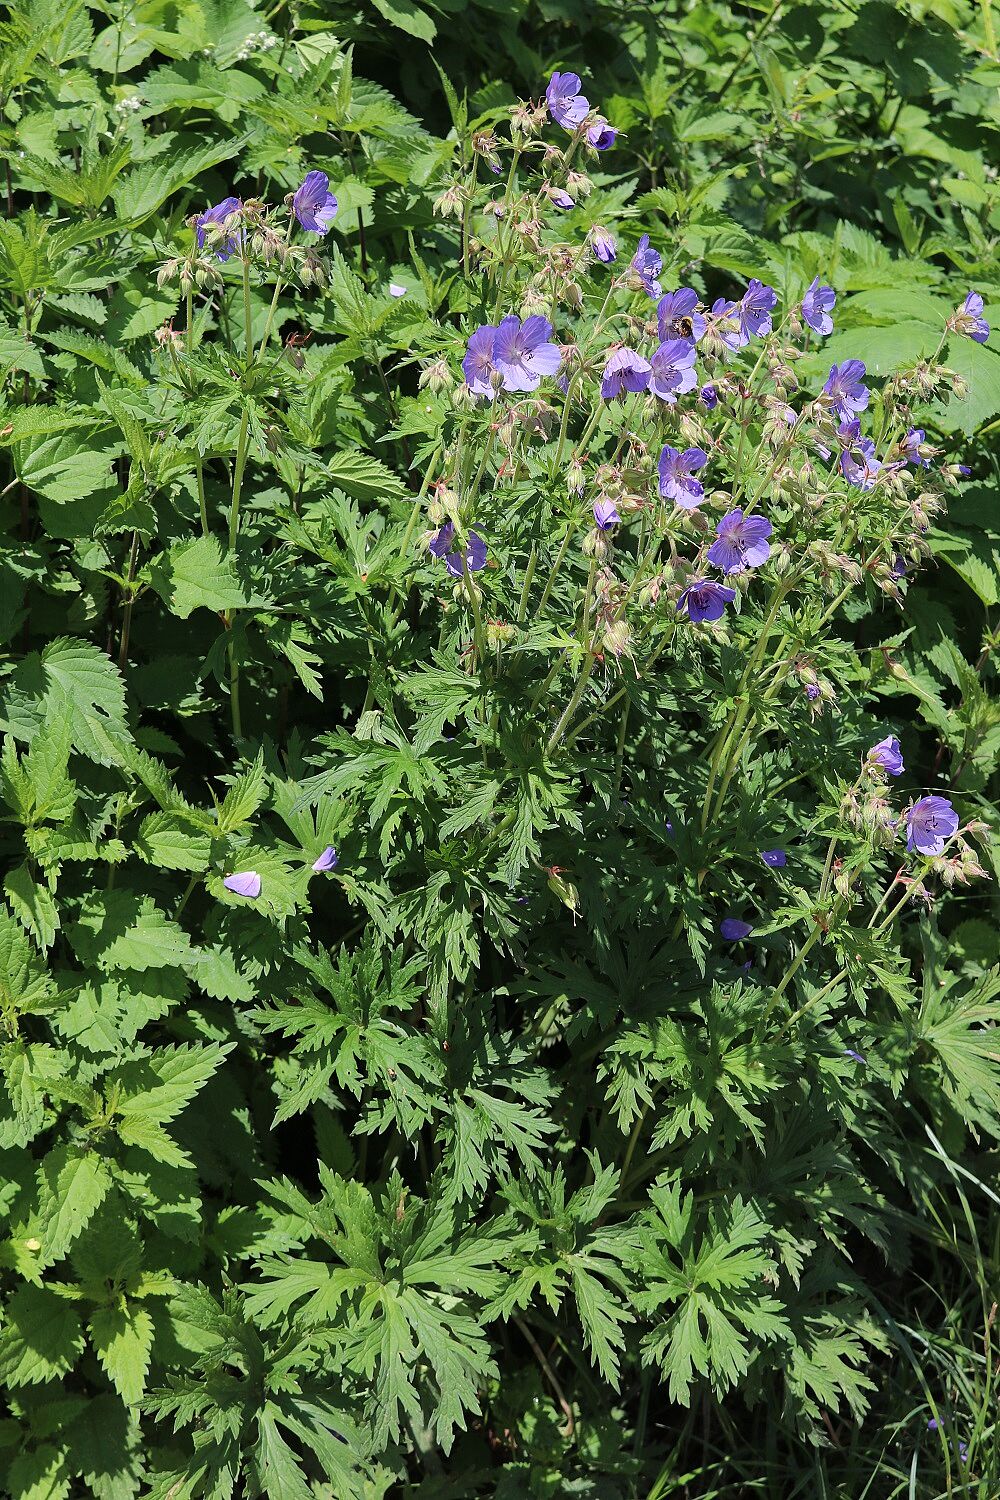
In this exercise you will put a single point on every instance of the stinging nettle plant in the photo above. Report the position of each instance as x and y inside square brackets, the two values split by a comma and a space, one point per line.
[471, 928]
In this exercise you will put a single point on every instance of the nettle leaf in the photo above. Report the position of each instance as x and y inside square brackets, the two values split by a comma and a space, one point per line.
[74, 681]
[199, 574]
[122, 1337]
[72, 1185]
[41, 1338]
[119, 930]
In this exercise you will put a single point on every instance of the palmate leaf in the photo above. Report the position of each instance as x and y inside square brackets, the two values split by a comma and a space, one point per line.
[962, 1036]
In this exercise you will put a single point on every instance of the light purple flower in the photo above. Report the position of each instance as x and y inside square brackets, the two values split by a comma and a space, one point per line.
[709, 397]
[812, 691]
[732, 930]
[314, 205]
[606, 514]
[850, 1052]
[601, 135]
[676, 476]
[817, 304]
[846, 389]
[858, 463]
[328, 860]
[672, 370]
[775, 859]
[755, 309]
[481, 374]
[969, 320]
[930, 823]
[726, 324]
[442, 544]
[624, 371]
[963, 1448]
[217, 215]
[567, 105]
[888, 754]
[742, 542]
[704, 599]
[603, 245]
[246, 883]
[523, 354]
[911, 446]
[395, 290]
[677, 315]
[647, 265]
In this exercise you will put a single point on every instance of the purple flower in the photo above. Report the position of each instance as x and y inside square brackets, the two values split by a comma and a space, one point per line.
[899, 566]
[217, 215]
[672, 370]
[846, 389]
[911, 446]
[850, 1052]
[709, 397]
[314, 205]
[858, 463]
[817, 304]
[888, 755]
[522, 352]
[742, 542]
[969, 319]
[775, 859]
[963, 1448]
[624, 371]
[732, 930]
[677, 315]
[676, 471]
[930, 823]
[755, 309]
[603, 245]
[601, 135]
[559, 197]
[647, 264]
[606, 514]
[246, 883]
[812, 691]
[442, 544]
[481, 375]
[567, 105]
[704, 599]
[395, 290]
[726, 324]
[328, 860]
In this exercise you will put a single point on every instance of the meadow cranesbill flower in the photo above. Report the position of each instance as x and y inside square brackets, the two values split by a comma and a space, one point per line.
[677, 472]
[677, 315]
[968, 319]
[314, 205]
[245, 883]
[963, 1448]
[755, 309]
[732, 930]
[850, 1052]
[328, 860]
[624, 371]
[481, 374]
[817, 304]
[775, 859]
[218, 215]
[704, 599]
[672, 370]
[888, 754]
[601, 135]
[858, 463]
[606, 514]
[846, 390]
[709, 397]
[911, 446]
[566, 104]
[647, 264]
[742, 542]
[442, 544]
[930, 823]
[522, 352]
[603, 245]
[395, 290]
[726, 324]
[559, 197]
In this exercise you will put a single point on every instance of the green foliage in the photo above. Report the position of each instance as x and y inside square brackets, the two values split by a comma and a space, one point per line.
[384, 1107]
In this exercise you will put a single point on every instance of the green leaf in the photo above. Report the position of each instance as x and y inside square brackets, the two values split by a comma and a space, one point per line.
[72, 1187]
[408, 17]
[123, 1337]
[197, 574]
[41, 1338]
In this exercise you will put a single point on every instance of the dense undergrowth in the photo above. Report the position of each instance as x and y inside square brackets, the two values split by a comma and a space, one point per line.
[499, 575]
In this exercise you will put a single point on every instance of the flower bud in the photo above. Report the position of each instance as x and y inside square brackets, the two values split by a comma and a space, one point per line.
[436, 377]
[597, 544]
[499, 633]
[617, 638]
